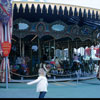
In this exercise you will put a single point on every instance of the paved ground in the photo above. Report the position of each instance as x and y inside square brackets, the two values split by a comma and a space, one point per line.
[69, 89]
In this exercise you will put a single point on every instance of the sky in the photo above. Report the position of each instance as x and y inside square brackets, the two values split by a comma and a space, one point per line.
[84, 3]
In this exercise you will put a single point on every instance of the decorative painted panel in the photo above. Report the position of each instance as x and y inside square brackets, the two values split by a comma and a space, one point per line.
[58, 27]
[85, 30]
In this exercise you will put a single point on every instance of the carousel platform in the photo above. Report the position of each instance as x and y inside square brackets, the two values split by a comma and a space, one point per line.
[59, 79]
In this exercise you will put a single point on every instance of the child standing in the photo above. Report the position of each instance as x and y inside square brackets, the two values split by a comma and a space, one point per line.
[42, 83]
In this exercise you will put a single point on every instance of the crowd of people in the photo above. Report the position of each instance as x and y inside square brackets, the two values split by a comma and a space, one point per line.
[79, 66]
[20, 67]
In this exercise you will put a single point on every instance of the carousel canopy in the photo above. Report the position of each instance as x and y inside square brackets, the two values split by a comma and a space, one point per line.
[71, 10]
[84, 3]
[50, 12]
[75, 22]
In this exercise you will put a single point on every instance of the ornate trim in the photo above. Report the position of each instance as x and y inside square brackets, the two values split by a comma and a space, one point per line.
[69, 30]
[41, 4]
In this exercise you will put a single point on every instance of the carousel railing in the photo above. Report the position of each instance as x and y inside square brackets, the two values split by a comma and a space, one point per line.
[55, 73]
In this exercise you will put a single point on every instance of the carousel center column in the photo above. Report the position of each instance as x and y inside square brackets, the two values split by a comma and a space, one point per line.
[70, 51]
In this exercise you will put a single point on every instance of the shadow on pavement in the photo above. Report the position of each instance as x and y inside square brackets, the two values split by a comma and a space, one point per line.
[2, 87]
[97, 82]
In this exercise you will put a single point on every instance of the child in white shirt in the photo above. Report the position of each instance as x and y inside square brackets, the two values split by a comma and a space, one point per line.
[42, 83]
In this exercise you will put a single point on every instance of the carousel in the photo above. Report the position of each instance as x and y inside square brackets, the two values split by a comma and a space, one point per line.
[52, 32]
[49, 31]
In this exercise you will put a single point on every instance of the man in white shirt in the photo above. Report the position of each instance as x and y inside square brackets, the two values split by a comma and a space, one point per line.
[96, 68]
